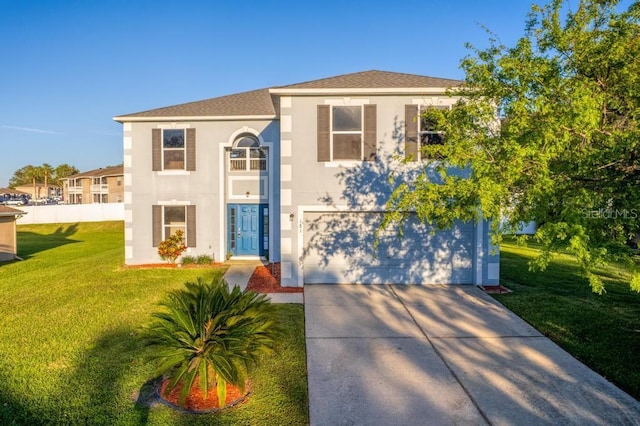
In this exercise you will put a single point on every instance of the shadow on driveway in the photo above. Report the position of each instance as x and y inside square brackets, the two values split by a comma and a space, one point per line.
[388, 354]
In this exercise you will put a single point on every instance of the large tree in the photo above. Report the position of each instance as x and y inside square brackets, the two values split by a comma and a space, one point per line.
[548, 132]
[63, 171]
[42, 174]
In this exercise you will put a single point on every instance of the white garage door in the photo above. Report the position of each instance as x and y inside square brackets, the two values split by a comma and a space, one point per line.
[339, 248]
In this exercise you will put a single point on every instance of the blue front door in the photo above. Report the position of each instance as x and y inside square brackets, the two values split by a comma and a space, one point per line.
[246, 229]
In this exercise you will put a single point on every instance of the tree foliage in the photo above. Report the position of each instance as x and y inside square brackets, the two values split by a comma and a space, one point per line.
[563, 148]
[45, 173]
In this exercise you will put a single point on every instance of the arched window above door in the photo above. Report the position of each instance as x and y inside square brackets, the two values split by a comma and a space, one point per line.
[247, 154]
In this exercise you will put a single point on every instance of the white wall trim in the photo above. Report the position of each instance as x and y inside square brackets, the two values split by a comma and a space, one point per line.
[231, 196]
[347, 101]
[242, 130]
[173, 173]
[479, 252]
[285, 102]
[222, 195]
[358, 91]
[173, 125]
[285, 123]
[124, 118]
[173, 203]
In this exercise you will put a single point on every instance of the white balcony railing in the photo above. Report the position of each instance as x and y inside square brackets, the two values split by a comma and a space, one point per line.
[75, 190]
[101, 188]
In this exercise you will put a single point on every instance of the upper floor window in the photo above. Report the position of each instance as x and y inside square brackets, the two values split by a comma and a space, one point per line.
[423, 128]
[430, 130]
[247, 155]
[173, 149]
[347, 132]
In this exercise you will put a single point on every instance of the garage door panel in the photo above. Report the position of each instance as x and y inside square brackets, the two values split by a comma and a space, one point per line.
[339, 248]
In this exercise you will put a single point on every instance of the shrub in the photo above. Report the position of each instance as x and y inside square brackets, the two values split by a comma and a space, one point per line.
[189, 260]
[211, 334]
[204, 259]
[171, 248]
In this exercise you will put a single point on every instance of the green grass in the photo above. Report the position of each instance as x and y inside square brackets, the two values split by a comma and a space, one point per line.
[601, 331]
[70, 352]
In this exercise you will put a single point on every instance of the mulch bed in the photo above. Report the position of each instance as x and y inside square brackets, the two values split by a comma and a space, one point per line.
[266, 279]
[495, 289]
[174, 266]
[196, 401]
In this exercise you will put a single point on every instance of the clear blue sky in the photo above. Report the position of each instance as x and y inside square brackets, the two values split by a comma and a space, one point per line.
[68, 67]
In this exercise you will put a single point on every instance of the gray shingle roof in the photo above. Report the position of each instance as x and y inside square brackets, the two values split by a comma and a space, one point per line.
[255, 102]
[375, 79]
[261, 103]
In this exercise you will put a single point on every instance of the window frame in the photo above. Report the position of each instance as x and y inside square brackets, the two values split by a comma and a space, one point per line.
[164, 149]
[180, 226]
[247, 159]
[421, 133]
[333, 132]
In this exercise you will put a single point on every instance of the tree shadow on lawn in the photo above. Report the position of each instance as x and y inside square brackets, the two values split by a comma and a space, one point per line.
[97, 387]
[13, 409]
[30, 243]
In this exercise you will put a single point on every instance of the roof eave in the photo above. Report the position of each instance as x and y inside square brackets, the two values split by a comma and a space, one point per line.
[129, 119]
[364, 91]
[9, 214]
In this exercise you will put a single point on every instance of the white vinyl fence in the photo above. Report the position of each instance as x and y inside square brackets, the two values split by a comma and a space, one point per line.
[71, 213]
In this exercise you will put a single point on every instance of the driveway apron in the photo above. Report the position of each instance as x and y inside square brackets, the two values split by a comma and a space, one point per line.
[409, 355]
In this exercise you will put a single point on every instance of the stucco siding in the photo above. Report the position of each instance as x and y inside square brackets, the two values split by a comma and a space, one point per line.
[204, 187]
[341, 185]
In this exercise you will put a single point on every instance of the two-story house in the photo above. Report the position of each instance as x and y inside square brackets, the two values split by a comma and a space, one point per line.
[103, 185]
[298, 174]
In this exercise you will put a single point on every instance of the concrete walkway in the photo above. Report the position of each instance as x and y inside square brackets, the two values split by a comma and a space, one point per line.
[240, 272]
[409, 355]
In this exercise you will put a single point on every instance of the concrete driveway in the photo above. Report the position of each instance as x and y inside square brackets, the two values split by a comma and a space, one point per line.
[413, 355]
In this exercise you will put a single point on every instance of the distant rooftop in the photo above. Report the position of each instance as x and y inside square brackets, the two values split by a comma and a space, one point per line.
[107, 171]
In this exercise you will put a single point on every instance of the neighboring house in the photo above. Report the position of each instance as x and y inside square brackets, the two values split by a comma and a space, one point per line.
[40, 191]
[95, 186]
[8, 233]
[13, 197]
[297, 174]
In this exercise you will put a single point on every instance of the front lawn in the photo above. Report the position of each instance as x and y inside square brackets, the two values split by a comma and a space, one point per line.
[70, 316]
[601, 331]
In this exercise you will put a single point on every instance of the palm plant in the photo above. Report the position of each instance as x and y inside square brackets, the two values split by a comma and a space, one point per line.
[211, 334]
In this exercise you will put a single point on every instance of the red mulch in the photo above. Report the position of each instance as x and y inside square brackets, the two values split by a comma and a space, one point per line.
[197, 402]
[495, 289]
[266, 279]
[174, 266]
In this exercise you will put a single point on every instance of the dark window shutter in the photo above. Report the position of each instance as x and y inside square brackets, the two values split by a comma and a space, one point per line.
[156, 220]
[191, 226]
[370, 133]
[191, 150]
[324, 147]
[411, 132]
[156, 148]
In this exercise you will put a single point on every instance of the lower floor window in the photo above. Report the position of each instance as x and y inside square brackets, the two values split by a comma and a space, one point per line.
[167, 220]
[175, 218]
